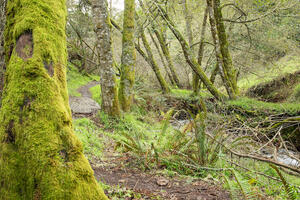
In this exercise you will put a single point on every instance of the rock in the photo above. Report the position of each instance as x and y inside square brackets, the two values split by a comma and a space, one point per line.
[83, 105]
[162, 181]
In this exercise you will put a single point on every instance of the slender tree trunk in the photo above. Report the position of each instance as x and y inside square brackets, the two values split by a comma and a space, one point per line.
[41, 158]
[201, 46]
[164, 86]
[2, 55]
[109, 88]
[224, 46]
[222, 70]
[149, 59]
[161, 57]
[166, 52]
[188, 25]
[214, 73]
[190, 58]
[128, 57]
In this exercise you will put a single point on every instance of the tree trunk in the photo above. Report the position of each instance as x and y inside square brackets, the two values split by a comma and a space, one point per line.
[164, 86]
[190, 58]
[201, 47]
[41, 158]
[188, 25]
[128, 57]
[109, 88]
[166, 52]
[161, 57]
[224, 46]
[149, 59]
[222, 70]
[2, 55]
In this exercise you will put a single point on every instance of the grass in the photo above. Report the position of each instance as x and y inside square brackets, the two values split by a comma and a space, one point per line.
[182, 93]
[75, 80]
[249, 104]
[96, 94]
[287, 64]
[89, 134]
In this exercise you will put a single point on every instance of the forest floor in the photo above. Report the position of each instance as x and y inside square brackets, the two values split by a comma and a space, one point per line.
[131, 182]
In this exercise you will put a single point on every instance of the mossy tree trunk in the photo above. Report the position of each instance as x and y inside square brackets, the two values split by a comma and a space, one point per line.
[109, 87]
[201, 47]
[162, 58]
[128, 57]
[222, 70]
[149, 59]
[224, 46]
[164, 86]
[165, 49]
[2, 55]
[190, 58]
[189, 33]
[40, 157]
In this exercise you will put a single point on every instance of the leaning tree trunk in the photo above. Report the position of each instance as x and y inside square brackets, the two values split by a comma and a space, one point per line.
[190, 58]
[188, 25]
[40, 157]
[109, 88]
[161, 57]
[164, 86]
[128, 57]
[165, 49]
[2, 59]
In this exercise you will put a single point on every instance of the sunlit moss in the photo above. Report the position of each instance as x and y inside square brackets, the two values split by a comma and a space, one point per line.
[40, 157]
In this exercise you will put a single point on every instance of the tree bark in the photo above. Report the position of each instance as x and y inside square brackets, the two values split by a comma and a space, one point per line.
[128, 57]
[109, 88]
[164, 86]
[224, 46]
[40, 157]
[166, 52]
[2, 55]
[190, 58]
[222, 70]
[162, 58]
[188, 25]
[201, 48]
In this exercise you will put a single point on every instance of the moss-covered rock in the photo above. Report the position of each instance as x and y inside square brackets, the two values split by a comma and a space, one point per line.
[40, 157]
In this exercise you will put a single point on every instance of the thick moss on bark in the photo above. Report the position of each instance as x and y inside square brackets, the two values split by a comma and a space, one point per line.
[2, 60]
[128, 57]
[40, 157]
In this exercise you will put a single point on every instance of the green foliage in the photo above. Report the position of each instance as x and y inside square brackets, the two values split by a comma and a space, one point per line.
[291, 194]
[89, 135]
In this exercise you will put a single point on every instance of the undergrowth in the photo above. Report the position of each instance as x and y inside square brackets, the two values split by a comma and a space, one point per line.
[188, 151]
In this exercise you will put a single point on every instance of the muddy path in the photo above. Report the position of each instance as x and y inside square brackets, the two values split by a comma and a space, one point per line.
[112, 171]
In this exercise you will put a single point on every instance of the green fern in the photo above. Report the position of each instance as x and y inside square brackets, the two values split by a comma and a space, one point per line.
[288, 189]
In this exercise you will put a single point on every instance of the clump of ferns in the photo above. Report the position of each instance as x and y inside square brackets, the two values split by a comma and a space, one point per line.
[244, 188]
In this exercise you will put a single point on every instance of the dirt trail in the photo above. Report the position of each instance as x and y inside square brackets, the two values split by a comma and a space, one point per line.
[111, 171]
